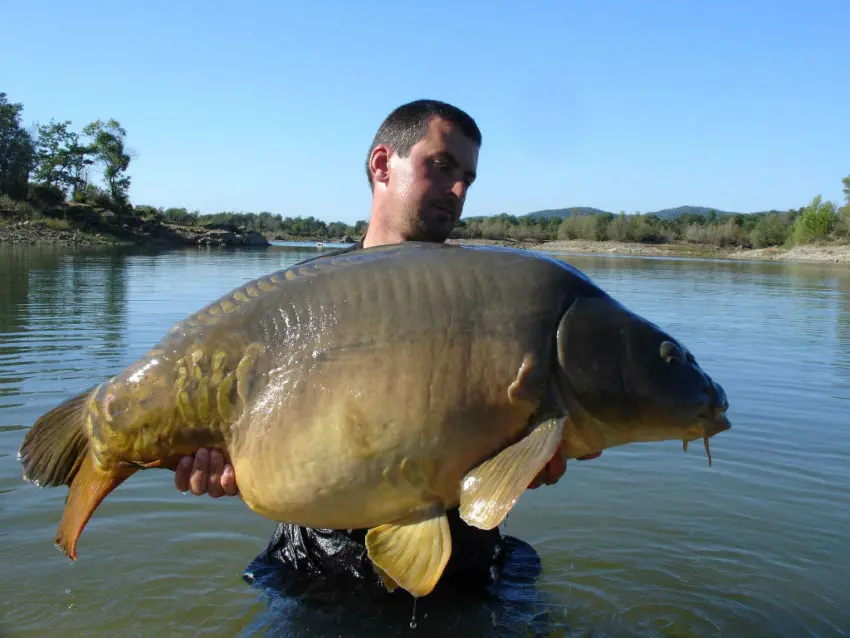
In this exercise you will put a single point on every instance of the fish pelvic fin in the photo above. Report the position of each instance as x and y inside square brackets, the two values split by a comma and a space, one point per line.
[88, 489]
[53, 449]
[490, 490]
[412, 552]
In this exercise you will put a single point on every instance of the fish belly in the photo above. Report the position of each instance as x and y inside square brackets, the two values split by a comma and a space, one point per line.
[363, 441]
[387, 375]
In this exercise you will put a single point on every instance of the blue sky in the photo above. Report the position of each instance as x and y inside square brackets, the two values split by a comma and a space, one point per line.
[624, 105]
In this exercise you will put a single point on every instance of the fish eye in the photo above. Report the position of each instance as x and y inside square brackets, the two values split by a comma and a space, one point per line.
[671, 353]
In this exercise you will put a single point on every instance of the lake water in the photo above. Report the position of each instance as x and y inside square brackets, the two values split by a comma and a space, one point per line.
[645, 541]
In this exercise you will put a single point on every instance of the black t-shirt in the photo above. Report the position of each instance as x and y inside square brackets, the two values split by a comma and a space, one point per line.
[341, 554]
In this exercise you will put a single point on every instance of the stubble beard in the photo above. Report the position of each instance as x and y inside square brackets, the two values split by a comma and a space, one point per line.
[430, 228]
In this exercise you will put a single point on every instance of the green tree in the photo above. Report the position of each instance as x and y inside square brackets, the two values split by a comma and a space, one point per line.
[843, 226]
[17, 151]
[108, 142]
[62, 160]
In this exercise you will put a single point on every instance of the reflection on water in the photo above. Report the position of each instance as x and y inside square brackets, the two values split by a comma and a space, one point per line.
[644, 541]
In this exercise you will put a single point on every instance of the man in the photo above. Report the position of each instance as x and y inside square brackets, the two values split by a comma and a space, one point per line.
[420, 167]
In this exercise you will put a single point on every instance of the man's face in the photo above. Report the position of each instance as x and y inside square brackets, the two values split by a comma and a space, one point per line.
[427, 189]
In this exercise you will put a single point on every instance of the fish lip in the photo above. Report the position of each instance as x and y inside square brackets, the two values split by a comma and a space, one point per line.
[714, 424]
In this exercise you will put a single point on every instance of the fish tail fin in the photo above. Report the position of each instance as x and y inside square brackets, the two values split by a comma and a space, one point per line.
[56, 451]
[55, 446]
[88, 489]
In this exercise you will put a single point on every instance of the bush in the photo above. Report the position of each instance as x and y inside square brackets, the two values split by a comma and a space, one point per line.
[771, 230]
[842, 225]
[816, 222]
[725, 234]
[56, 224]
[578, 227]
[618, 228]
[642, 230]
[97, 196]
[46, 195]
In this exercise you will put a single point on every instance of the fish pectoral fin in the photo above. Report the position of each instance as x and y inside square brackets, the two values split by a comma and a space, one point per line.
[528, 382]
[490, 490]
[412, 552]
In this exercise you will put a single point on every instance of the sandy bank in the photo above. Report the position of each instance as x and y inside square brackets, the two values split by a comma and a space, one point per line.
[831, 253]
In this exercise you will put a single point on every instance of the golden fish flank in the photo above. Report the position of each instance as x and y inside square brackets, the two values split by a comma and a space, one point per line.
[205, 387]
[341, 405]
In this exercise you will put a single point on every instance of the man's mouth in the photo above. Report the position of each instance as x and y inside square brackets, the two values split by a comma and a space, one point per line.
[447, 209]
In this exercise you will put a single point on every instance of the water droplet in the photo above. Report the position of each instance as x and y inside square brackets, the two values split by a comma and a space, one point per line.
[413, 622]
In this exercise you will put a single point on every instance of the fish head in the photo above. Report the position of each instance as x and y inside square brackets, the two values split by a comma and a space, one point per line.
[631, 379]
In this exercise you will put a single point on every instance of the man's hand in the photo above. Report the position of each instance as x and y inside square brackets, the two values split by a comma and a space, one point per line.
[556, 467]
[206, 472]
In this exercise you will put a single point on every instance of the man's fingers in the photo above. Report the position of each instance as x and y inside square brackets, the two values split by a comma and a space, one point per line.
[216, 467]
[228, 481]
[587, 457]
[553, 470]
[557, 466]
[181, 475]
[200, 473]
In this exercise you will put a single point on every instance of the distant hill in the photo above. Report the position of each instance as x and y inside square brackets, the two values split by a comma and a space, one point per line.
[666, 213]
[566, 212]
[672, 213]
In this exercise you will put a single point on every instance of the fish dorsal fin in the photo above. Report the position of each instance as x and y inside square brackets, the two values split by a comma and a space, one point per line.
[412, 552]
[490, 490]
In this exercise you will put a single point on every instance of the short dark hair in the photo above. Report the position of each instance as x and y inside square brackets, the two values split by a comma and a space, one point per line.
[407, 124]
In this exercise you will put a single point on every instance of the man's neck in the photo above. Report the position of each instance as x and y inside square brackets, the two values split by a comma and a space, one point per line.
[380, 236]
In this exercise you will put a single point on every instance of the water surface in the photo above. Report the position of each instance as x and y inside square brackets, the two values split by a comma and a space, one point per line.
[644, 541]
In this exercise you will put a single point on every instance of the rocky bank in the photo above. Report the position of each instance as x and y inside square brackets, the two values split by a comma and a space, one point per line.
[82, 225]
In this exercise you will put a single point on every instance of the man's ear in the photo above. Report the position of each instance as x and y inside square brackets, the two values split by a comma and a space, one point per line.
[379, 163]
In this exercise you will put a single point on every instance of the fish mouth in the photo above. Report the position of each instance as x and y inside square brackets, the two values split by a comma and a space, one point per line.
[710, 427]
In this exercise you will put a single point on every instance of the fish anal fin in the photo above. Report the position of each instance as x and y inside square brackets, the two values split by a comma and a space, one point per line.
[412, 552]
[389, 584]
[88, 489]
[491, 489]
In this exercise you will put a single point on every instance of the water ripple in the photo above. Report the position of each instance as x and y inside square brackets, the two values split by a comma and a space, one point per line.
[644, 541]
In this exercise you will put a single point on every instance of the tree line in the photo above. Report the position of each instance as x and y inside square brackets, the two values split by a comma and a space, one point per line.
[266, 223]
[819, 220]
[54, 164]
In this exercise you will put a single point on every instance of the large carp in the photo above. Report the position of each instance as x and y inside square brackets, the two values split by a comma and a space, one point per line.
[379, 388]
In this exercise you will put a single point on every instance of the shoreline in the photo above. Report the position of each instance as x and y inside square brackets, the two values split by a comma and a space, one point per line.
[164, 235]
[814, 253]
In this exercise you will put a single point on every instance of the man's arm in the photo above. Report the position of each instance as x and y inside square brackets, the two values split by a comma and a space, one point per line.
[206, 472]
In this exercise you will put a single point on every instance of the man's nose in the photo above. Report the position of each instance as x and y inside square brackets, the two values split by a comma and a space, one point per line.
[459, 189]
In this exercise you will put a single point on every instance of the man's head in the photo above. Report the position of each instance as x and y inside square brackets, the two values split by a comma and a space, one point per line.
[420, 165]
